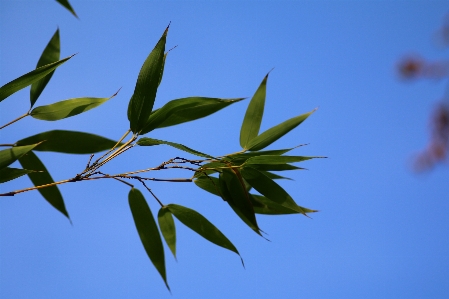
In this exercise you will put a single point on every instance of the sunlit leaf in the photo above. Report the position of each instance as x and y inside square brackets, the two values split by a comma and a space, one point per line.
[69, 142]
[29, 78]
[67, 5]
[148, 231]
[150, 142]
[271, 189]
[168, 229]
[8, 174]
[142, 101]
[234, 192]
[10, 155]
[253, 116]
[43, 177]
[199, 224]
[66, 108]
[184, 110]
[50, 54]
[276, 132]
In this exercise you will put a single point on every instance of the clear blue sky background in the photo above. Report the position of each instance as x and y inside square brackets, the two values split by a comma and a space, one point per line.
[382, 230]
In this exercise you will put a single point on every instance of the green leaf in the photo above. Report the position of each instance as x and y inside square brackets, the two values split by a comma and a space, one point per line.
[150, 142]
[69, 142]
[10, 155]
[276, 132]
[278, 159]
[43, 177]
[253, 116]
[209, 184]
[233, 191]
[168, 229]
[184, 110]
[67, 108]
[148, 232]
[67, 5]
[142, 101]
[51, 54]
[263, 205]
[271, 190]
[199, 224]
[29, 78]
[274, 176]
[275, 167]
[9, 174]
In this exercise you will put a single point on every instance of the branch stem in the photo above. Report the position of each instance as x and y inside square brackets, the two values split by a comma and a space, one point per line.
[13, 121]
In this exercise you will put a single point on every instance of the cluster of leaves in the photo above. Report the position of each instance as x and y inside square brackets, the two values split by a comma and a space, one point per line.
[232, 177]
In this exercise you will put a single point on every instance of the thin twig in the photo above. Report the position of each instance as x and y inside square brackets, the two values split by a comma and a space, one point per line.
[17, 119]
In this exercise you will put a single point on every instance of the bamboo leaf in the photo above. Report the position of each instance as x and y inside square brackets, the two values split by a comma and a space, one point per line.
[69, 142]
[253, 116]
[209, 184]
[150, 142]
[263, 205]
[67, 108]
[50, 54]
[43, 177]
[199, 224]
[168, 229]
[275, 167]
[9, 174]
[67, 5]
[10, 155]
[148, 231]
[29, 78]
[142, 101]
[234, 192]
[278, 159]
[276, 132]
[184, 110]
[271, 190]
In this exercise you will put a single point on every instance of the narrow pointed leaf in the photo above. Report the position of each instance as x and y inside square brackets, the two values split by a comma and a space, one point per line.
[199, 224]
[150, 142]
[263, 205]
[253, 116]
[271, 190]
[234, 192]
[275, 167]
[9, 174]
[29, 78]
[168, 229]
[69, 142]
[142, 101]
[148, 231]
[66, 108]
[10, 155]
[162, 69]
[51, 54]
[274, 176]
[278, 159]
[184, 110]
[276, 132]
[67, 5]
[43, 177]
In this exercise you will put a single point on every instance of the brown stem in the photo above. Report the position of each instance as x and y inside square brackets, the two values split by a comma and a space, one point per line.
[17, 119]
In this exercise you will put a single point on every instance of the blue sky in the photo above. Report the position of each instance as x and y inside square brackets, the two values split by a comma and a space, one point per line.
[382, 229]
